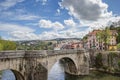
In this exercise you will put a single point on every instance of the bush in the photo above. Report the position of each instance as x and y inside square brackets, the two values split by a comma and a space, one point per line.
[113, 54]
[118, 46]
[119, 64]
[105, 67]
[1, 47]
[7, 45]
[98, 61]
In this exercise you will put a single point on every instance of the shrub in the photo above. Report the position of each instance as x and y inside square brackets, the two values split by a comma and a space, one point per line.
[98, 61]
[119, 64]
[118, 46]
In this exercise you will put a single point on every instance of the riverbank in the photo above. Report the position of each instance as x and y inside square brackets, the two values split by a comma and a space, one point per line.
[93, 75]
[105, 61]
[105, 71]
[0, 75]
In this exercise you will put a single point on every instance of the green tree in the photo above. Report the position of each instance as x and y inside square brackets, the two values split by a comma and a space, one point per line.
[99, 37]
[98, 61]
[9, 45]
[112, 27]
[1, 47]
[104, 37]
[119, 64]
[118, 36]
[118, 46]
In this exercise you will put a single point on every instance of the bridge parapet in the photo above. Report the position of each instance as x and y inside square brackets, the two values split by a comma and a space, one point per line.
[36, 64]
[37, 53]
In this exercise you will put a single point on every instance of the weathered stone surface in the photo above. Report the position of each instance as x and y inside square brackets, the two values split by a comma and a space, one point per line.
[35, 65]
[109, 60]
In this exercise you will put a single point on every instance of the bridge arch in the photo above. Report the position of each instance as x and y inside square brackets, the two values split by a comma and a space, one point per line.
[13, 74]
[67, 63]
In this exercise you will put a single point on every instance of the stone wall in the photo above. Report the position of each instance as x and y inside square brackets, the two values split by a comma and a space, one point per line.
[108, 61]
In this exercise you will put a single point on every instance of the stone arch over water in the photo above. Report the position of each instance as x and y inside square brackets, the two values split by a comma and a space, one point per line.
[61, 67]
[10, 74]
[69, 65]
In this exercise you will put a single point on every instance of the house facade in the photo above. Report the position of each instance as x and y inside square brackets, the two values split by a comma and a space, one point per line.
[92, 41]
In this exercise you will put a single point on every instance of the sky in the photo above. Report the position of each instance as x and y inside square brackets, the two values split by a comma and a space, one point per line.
[50, 19]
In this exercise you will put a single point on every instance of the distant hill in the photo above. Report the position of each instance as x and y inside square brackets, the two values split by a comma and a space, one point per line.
[57, 39]
[60, 39]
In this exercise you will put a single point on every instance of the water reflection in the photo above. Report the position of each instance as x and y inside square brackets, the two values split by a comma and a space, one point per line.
[57, 72]
[7, 75]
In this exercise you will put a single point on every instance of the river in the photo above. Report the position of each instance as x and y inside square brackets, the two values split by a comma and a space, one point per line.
[57, 73]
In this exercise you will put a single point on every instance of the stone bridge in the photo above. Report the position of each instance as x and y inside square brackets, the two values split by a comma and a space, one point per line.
[35, 65]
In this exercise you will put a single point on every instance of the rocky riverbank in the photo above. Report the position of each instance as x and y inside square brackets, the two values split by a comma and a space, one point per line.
[107, 61]
[108, 72]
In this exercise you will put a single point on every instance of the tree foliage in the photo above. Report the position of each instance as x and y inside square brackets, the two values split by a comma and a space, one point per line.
[1, 47]
[118, 46]
[112, 27]
[103, 36]
[98, 60]
[39, 46]
[7, 45]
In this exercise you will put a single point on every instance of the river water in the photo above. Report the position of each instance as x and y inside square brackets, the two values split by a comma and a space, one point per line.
[57, 73]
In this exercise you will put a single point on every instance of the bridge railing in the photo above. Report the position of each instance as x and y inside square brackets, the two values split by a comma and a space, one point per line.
[11, 54]
[37, 53]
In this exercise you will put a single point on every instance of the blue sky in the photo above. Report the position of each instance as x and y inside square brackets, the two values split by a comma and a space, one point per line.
[49, 19]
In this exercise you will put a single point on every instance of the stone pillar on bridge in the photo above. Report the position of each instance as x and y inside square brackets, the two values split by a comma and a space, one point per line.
[82, 63]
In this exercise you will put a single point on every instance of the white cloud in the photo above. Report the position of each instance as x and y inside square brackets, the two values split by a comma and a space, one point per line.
[49, 35]
[57, 26]
[20, 35]
[70, 33]
[26, 17]
[44, 2]
[14, 27]
[48, 24]
[9, 3]
[92, 13]
[45, 23]
[58, 12]
[86, 9]
[18, 14]
[70, 23]
[18, 32]
[101, 23]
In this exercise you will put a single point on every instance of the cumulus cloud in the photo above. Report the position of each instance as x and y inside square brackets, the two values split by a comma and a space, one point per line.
[86, 9]
[20, 35]
[49, 24]
[18, 32]
[70, 33]
[70, 23]
[101, 23]
[9, 3]
[49, 35]
[92, 13]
